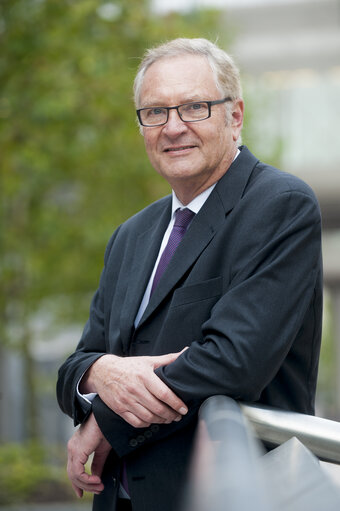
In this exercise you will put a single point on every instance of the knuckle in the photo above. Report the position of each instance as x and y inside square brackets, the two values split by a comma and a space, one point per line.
[120, 408]
[158, 420]
[159, 409]
[171, 415]
[164, 394]
[130, 388]
[139, 423]
[70, 446]
[147, 417]
[135, 421]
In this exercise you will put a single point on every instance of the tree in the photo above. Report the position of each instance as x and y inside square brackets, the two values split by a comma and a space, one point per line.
[72, 159]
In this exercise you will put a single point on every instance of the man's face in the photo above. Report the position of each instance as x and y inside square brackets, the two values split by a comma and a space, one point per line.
[191, 156]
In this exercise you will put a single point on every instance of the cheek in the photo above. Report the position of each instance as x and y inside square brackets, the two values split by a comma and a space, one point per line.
[224, 138]
[150, 144]
[154, 156]
[215, 134]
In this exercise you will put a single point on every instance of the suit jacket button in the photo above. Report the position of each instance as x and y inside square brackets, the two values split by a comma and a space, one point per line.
[140, 439]
[133, 442]
[148, 434]
[154, 428]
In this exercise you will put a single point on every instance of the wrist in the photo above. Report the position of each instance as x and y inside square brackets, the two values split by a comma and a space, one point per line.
[86, 384]
[90, 382]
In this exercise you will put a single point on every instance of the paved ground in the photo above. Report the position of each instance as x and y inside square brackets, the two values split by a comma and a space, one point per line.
[84, 506]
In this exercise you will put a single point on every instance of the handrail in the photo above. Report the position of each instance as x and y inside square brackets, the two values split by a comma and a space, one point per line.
[274, 426]
[228, 471]
[225, 454]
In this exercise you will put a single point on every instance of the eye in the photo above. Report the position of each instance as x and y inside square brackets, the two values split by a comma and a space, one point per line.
[197, 106]
[194, 110]
[155, 111]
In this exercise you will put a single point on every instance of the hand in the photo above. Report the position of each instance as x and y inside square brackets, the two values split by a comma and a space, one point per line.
[86, 440]
[130, 387]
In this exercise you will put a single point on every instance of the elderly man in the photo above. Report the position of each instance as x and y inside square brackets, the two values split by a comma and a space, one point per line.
[216, 289]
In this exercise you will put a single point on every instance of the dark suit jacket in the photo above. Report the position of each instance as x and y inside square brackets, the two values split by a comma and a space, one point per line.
[243, 290]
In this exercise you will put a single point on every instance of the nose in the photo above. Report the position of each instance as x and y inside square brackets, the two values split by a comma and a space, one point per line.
[175, 126]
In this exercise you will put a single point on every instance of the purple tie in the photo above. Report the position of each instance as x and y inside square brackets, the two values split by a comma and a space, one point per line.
[183, 218]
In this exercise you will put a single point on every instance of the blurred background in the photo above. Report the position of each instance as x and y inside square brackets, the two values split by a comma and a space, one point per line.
[73, 167]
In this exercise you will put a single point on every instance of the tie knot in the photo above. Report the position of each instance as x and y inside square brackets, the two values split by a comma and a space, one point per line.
[183, 217]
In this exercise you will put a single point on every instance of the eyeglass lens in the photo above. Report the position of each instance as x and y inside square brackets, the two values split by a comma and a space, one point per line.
[188, 112]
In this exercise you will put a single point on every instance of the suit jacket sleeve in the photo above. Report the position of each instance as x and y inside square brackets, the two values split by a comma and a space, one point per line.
[91, 346]
[252, 327]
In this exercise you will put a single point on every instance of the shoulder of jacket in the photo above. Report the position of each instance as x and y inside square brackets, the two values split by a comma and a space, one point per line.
[274, 181]
[148, 213]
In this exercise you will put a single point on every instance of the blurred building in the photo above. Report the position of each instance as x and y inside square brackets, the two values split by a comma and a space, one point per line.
[50, 351]
[289, 54]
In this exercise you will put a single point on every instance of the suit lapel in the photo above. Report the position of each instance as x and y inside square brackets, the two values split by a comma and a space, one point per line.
[200, 233]
[203, 228]
[145, 254]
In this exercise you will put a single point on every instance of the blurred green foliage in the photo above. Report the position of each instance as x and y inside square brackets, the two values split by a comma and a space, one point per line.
[72, 160]
[73, 164]
[36, 481]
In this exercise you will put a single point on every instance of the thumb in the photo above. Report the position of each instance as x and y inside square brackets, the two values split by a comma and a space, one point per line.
[164, 360]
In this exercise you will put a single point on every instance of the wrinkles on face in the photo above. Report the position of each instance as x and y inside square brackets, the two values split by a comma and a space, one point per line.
[191, 156]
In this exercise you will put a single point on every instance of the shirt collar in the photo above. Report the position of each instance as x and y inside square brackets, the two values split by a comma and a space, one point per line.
[196, 204]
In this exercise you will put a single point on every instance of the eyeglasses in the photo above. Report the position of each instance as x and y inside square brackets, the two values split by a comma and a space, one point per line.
[189, 112]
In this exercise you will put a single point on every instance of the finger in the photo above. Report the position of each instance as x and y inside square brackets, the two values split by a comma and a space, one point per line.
[139, 416]
[155, 412]
[163, 360]
[142, 403]
[91, 484]
[133, 420]
[164, 394]
[136, 421]
[77, 491]
[79, 477]
[87, 480]
[92, 488]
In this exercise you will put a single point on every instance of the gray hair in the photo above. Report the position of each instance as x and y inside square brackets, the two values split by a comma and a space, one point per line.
[225, 72]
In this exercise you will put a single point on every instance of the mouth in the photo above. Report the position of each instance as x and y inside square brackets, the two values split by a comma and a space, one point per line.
[178, 148]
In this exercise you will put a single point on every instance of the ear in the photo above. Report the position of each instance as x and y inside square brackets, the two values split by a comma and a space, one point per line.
[237, 118]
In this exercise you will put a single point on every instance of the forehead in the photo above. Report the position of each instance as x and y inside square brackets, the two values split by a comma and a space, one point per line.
[178, 79]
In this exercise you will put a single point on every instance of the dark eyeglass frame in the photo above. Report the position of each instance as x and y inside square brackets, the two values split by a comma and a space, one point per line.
[167, 108]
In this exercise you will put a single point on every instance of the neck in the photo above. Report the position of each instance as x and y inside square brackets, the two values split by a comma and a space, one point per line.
[187, 189]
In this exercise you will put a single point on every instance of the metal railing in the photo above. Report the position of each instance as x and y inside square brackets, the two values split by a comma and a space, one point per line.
[231, 471]
[320, 436]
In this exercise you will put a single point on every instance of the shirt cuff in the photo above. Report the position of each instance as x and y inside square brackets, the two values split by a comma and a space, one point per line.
[87, 397]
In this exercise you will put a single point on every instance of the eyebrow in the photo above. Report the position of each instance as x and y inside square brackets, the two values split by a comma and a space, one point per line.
[190, 99]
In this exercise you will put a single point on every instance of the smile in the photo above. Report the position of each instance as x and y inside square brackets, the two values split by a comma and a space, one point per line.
[182, 148]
